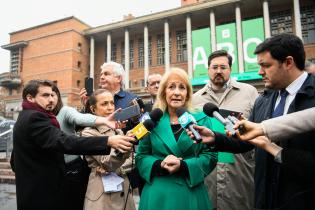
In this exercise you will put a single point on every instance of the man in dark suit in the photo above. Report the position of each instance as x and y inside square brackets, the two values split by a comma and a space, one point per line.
[284, 180]
[152, 88]
[39, 145]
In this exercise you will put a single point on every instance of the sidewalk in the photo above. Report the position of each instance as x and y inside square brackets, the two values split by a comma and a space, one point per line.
[7, 197]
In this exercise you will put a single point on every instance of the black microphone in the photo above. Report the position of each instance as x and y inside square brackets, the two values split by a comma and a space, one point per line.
[186, 120]
[140, 131]
[212, 110]
[140, 103]
[155, 115]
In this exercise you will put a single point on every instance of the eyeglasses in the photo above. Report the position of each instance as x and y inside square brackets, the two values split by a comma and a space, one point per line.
[222, 67]
[154, 83]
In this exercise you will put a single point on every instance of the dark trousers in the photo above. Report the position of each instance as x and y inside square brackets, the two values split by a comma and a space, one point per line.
[76, 180]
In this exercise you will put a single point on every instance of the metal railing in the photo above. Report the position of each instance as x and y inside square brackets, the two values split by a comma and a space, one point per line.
[6, 141]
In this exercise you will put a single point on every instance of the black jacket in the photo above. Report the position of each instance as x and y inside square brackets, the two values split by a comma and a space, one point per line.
[295, 183]
[39, 162]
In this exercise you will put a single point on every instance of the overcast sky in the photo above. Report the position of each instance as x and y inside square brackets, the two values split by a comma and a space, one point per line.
[19, 14]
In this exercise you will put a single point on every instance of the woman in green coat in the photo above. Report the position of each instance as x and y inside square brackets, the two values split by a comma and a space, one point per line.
[173, 166]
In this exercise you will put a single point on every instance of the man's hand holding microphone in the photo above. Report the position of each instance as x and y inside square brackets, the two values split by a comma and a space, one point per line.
[121, 143]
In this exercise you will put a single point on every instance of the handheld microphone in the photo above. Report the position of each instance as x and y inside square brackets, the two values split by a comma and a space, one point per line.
[186, 120]
[140, 103]
[140, 131]
[212, 110]
[155, 115]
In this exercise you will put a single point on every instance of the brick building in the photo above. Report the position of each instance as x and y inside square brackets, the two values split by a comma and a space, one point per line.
[67, 50]
[56, 50]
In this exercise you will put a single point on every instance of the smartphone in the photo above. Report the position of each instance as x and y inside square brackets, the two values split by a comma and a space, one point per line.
[225, 113]
[89, 85]
[127, 113]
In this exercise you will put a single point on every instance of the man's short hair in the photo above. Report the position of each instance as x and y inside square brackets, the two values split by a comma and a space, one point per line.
[152, 75]
[31, 88]
[220, 53]
[118, 69]
[283, 45]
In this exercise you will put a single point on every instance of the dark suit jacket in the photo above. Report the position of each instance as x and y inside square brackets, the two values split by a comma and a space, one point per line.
[148, 106]
[295, 183]
[38, 159]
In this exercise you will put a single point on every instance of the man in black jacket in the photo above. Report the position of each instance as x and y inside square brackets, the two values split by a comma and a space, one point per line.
[284, 180]
[152, 88]
[39, 145]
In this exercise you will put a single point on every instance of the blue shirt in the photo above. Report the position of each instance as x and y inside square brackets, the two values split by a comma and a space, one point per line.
[122, 99]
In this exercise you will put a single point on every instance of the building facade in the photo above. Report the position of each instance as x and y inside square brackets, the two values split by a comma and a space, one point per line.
[154, 43]
[57, 51]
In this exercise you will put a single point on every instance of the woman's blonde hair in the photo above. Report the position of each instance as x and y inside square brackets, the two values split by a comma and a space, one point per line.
[161, 95]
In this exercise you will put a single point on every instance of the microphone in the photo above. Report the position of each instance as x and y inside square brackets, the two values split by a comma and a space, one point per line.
[140, 103]
[186, 120]
[155, 115]
[212, 110]
[140, 131]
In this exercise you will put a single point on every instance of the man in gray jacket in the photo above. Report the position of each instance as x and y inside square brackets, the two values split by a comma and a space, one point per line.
[231, 185]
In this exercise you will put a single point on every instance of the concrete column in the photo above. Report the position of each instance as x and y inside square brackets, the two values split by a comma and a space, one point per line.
[92, 57]
[213, 32]
[266, 18]
[166, 46]
[127, 67]
[189, 46]
[297, 18]
[146, 53]
[109, 47]
[239, 38]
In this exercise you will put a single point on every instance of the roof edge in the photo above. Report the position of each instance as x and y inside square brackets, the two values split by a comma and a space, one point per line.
[48, 23]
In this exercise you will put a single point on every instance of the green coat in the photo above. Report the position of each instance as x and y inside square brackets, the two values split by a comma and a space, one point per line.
[172, 192]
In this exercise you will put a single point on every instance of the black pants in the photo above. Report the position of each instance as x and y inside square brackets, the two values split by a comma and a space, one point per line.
[76, 180]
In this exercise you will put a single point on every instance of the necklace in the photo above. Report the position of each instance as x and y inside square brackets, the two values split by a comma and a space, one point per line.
[176, 132]
[174, 126]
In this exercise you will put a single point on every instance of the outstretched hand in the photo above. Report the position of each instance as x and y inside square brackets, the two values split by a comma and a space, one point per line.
[121, 143]
[206, 134]
[112, 123]
[251, 130]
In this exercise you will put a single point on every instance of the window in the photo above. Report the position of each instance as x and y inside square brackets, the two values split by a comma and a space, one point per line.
[161, 49]
[15, 61]
[78, 83]
[308, 24]
[79, 64]
[79, 46]
[181, 46]
[142, 83]
[141, 52]
[281, 22]
[122, 47]
[130, 84]
[131, 53]
[150, 51]
[113, 53]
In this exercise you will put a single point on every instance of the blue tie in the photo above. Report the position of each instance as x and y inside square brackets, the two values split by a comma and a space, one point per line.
[280, 107]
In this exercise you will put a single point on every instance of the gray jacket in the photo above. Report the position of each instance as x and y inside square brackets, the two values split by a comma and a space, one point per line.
[231, 185]
[291, 124]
